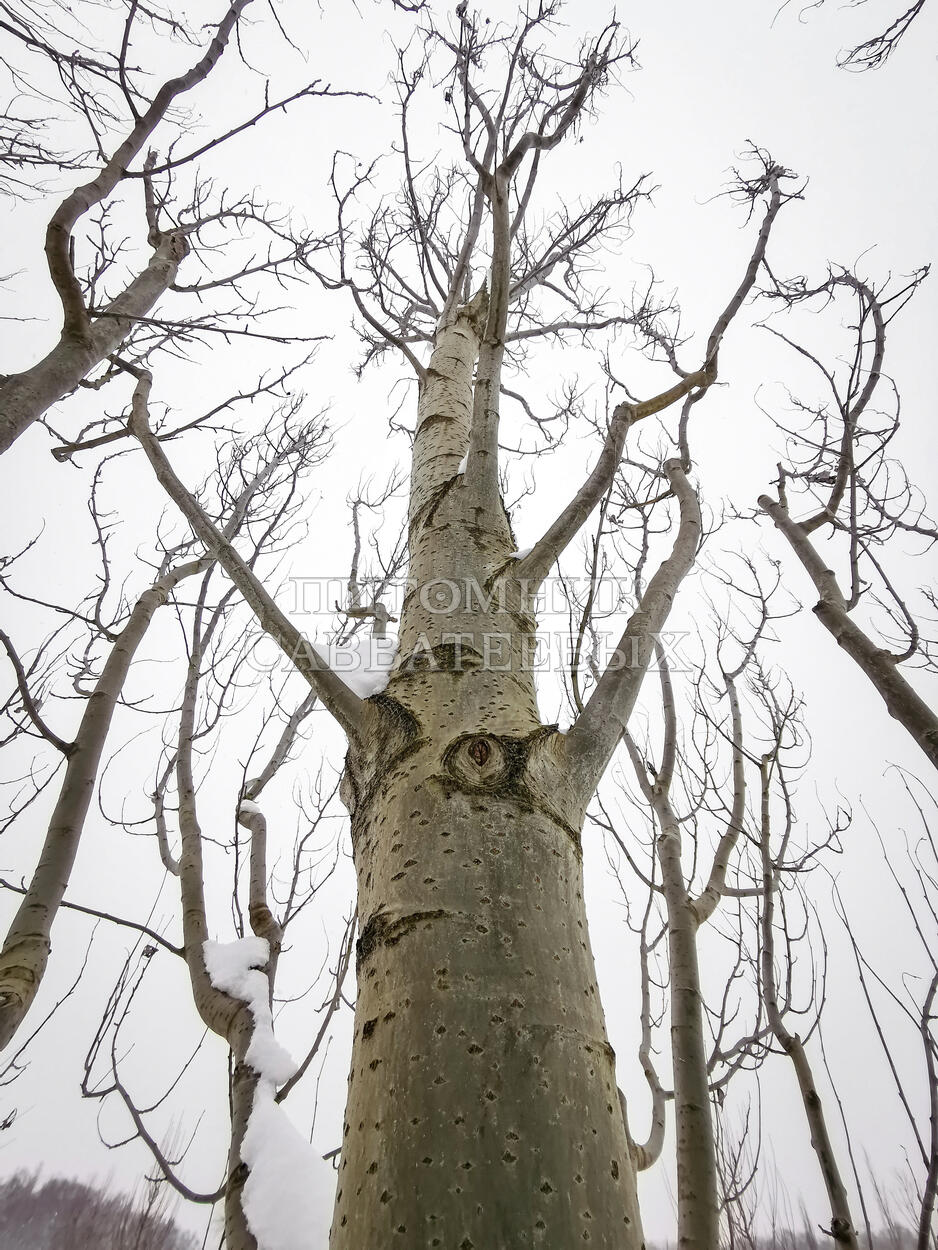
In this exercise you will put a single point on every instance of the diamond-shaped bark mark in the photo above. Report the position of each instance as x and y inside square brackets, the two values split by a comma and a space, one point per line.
[480, 751]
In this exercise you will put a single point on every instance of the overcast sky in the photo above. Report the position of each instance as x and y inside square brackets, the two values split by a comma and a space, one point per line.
[712, 77]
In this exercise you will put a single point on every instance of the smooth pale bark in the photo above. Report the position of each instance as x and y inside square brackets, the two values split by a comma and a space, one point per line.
[483, 1108]
[902, 702]
[842, 1228]
[26, 949]
[226, 1016]
[698, 1209]
[85, 341]
[598, 729]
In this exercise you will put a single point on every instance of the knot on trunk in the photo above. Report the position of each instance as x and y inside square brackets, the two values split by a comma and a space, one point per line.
[483, 762]
[480, 751]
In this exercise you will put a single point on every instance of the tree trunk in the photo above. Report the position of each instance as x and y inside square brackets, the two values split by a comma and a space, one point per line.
[244, 1080]
[27, 945]
[698, 1208]
[482, 1108]
[482, 1105]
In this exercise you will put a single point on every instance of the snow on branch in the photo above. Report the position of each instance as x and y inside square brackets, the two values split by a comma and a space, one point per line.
[279, 1198]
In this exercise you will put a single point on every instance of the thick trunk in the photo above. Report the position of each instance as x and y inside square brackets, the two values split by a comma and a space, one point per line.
[482, 1105]
[482, 1109]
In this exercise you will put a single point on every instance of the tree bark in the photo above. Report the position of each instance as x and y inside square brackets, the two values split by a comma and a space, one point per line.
[483, 1107]
[26, 396]
[698, 1208]
[26, 949]
[902, 702]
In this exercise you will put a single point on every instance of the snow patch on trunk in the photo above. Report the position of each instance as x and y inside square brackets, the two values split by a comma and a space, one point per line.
[280, 1194]
[363, 663]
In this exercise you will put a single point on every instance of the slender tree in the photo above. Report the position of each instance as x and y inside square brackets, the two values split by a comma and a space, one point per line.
[108, 299]
[839, 469]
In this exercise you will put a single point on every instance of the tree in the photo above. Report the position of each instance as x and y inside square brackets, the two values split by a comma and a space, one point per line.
[56, 1211]
[479, 759]
[875, 51]
[483, 1105]
[109, 94]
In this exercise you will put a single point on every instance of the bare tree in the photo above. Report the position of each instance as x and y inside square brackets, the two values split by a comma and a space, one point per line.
[233, 985]
[483, 1101]
[478, 721]
[840, 469]
[107, 300]
[877, 49]
[27, 944]
[693, 870]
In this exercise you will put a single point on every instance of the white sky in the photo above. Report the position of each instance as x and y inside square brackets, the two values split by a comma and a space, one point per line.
[712, 77]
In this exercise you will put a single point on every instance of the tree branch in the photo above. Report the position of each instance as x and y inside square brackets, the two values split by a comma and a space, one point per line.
[342, 702]
[598, 728]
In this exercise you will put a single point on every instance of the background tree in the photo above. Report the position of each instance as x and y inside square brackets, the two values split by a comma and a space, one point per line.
[54, 1211]
[876, 50]
[107, 296]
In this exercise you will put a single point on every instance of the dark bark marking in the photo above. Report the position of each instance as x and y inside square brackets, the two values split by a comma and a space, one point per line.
[426, 514]
[446, 657]
[380, 931]
[479, 750]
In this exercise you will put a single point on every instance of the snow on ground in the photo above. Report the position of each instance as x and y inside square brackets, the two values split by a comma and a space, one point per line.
[280, 1193]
